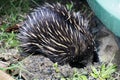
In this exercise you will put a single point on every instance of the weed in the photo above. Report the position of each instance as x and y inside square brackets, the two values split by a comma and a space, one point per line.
[12, 11]
[56, 67]
[9, 39]
[104, 72]
[69, 6]
[15, 6]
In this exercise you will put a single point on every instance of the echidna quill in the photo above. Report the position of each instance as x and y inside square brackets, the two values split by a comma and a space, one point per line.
[59, 34]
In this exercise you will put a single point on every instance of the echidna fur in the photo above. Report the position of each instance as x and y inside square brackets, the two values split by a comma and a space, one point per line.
[59, 34]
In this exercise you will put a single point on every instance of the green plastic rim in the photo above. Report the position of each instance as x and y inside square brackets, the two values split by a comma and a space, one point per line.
[108, 11]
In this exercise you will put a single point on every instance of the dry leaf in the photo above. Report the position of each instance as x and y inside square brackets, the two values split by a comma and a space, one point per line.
[14, 27]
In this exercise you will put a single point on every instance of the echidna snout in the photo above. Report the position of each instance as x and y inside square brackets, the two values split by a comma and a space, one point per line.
[59, 34]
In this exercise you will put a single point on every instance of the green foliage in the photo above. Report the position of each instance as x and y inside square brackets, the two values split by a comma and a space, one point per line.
[69, 6]
[15, 6]
[78, 76]
[104, 72]
[12, 11]
[56, 67]
[9, 39]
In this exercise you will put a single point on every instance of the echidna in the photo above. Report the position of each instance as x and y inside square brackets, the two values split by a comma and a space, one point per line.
[59, 34]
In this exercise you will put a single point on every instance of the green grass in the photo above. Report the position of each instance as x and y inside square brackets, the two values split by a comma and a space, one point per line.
[56, 68]
[69, 6]
[8, 39]
[103, 72]
[14, 6]
[11, 12]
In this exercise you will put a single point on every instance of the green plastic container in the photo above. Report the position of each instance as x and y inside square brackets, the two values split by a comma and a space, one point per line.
[108, 11]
